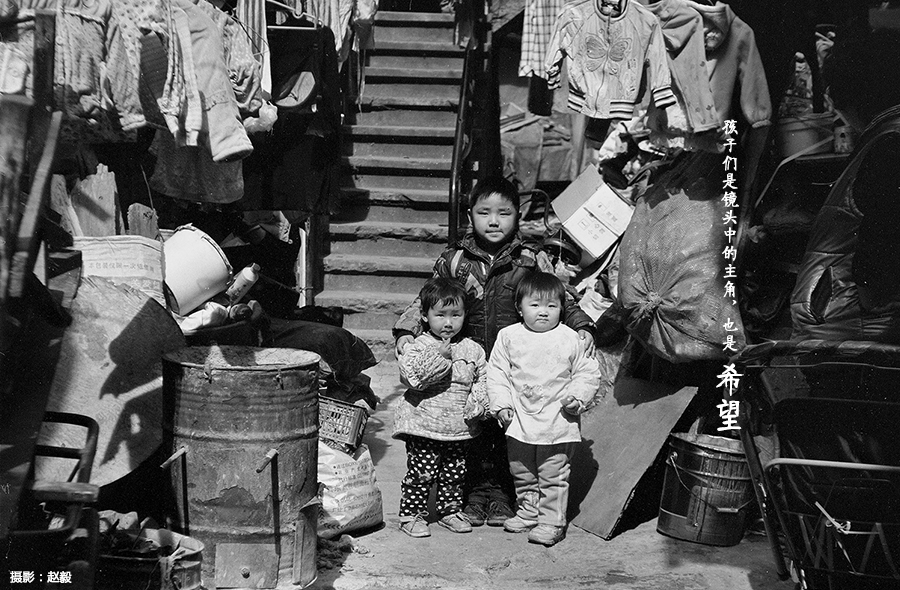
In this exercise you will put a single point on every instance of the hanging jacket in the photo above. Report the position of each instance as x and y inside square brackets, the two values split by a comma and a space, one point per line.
[605, 58]
[491, 287]
[733, 62]
[853, 243]
[682, 30]
[93, 74]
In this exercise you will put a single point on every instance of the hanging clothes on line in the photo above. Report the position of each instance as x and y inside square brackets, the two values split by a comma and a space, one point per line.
[537, 31]
[295, 166]
[95, 84]
[605, 57]
[682, 29]
[734, 64]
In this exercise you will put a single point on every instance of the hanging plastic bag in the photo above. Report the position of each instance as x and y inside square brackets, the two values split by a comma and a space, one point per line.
[350, 496]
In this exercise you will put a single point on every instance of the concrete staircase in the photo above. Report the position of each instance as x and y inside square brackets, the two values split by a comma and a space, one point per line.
[395, 174]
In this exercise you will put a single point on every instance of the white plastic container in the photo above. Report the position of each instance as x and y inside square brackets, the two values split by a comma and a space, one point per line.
[242, 283]
[196, 269]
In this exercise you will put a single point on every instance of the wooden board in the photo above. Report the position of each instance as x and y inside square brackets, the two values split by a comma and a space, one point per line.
[621, 438]
[110, 368]
[95, 200]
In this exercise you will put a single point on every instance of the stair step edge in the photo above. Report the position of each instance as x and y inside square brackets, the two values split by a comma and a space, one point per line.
[419, 47]
[386, 16]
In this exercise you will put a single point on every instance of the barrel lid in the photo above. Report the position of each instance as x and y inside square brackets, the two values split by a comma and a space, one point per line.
[242, 358]
[711, 442]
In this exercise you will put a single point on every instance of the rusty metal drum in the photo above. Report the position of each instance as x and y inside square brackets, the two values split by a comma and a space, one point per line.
[242, 424]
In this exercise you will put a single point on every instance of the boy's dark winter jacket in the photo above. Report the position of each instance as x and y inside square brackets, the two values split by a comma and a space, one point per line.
[492, 281]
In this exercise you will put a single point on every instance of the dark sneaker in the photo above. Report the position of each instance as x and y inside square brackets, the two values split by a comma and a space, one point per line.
[517, 524]
[415, 526]
[458, 523]
[476, 514]
[498, 512]
[547, 534]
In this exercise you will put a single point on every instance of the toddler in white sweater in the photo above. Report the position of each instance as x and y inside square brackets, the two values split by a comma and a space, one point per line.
[540, 379]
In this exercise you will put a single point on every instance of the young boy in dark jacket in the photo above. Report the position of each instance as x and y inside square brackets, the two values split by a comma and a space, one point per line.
[490, 261]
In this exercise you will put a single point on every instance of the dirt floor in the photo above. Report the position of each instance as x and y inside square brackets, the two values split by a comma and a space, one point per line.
[489, 558]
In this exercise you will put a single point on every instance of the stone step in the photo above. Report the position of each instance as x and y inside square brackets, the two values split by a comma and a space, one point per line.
[353, 302]
[370, 282]
[415, 61]
[424, 199]
[364, 264]
[382, 149]
[372, 321]
[402, 47]
[413, 32]
[443, 120]
[398, 134]
[445, 97]
[399, 18]
[433, 75]
[387, 246]
[424, 165]
[425, 186]
[374, 230]
[358, 211]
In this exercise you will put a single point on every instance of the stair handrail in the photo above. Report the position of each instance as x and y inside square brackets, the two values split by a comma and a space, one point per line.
[462, 136]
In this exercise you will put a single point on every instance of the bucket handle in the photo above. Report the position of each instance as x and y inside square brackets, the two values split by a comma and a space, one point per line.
[181, 453]
[270, 460]
[719, 509]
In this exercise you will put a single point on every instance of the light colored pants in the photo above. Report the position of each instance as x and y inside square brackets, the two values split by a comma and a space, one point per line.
[541, 476]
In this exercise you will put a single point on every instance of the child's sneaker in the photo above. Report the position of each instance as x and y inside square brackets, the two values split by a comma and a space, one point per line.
[415, 526]
[498, 512]
[457, 522]
[476, 513]
[547, 534]
[517, 524]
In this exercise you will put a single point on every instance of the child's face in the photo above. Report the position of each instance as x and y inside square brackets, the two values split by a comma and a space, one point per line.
[445, 321]
[540, 314]
[493, 221]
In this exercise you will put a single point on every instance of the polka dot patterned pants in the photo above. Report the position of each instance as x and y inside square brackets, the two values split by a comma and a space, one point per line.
[433, 462]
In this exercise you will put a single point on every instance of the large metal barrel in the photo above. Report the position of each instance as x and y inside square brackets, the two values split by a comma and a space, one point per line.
[243, 422]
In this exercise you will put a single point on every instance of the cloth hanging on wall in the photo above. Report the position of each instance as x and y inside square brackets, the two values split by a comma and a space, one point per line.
[295, 166]
[95, 84]
[734, 65]
[537, 31]
[682, 29]
[605, 58]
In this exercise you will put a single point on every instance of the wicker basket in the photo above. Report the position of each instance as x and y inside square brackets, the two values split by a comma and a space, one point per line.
[341, 425]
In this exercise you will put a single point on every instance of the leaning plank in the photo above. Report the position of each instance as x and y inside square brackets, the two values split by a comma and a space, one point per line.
[14, 111]
[28, 236]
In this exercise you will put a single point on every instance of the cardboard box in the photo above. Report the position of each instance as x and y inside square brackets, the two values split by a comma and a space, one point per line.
[592, 213]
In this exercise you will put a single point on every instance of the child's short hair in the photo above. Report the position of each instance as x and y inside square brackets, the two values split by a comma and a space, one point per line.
[443, 291]
[541, 285]
[491, 185]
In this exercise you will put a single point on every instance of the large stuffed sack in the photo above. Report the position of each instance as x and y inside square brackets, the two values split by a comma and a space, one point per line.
[672, 275]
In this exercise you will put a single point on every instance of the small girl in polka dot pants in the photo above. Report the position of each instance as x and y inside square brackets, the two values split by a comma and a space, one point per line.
[441, 411]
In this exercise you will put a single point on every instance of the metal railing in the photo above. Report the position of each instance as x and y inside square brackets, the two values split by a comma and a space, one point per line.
[471, 18]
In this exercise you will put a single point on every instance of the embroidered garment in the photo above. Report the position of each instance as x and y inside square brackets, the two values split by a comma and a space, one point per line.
[537, 30]
[605, 58]
[734, 64]
[530, 373]
[434, 406]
